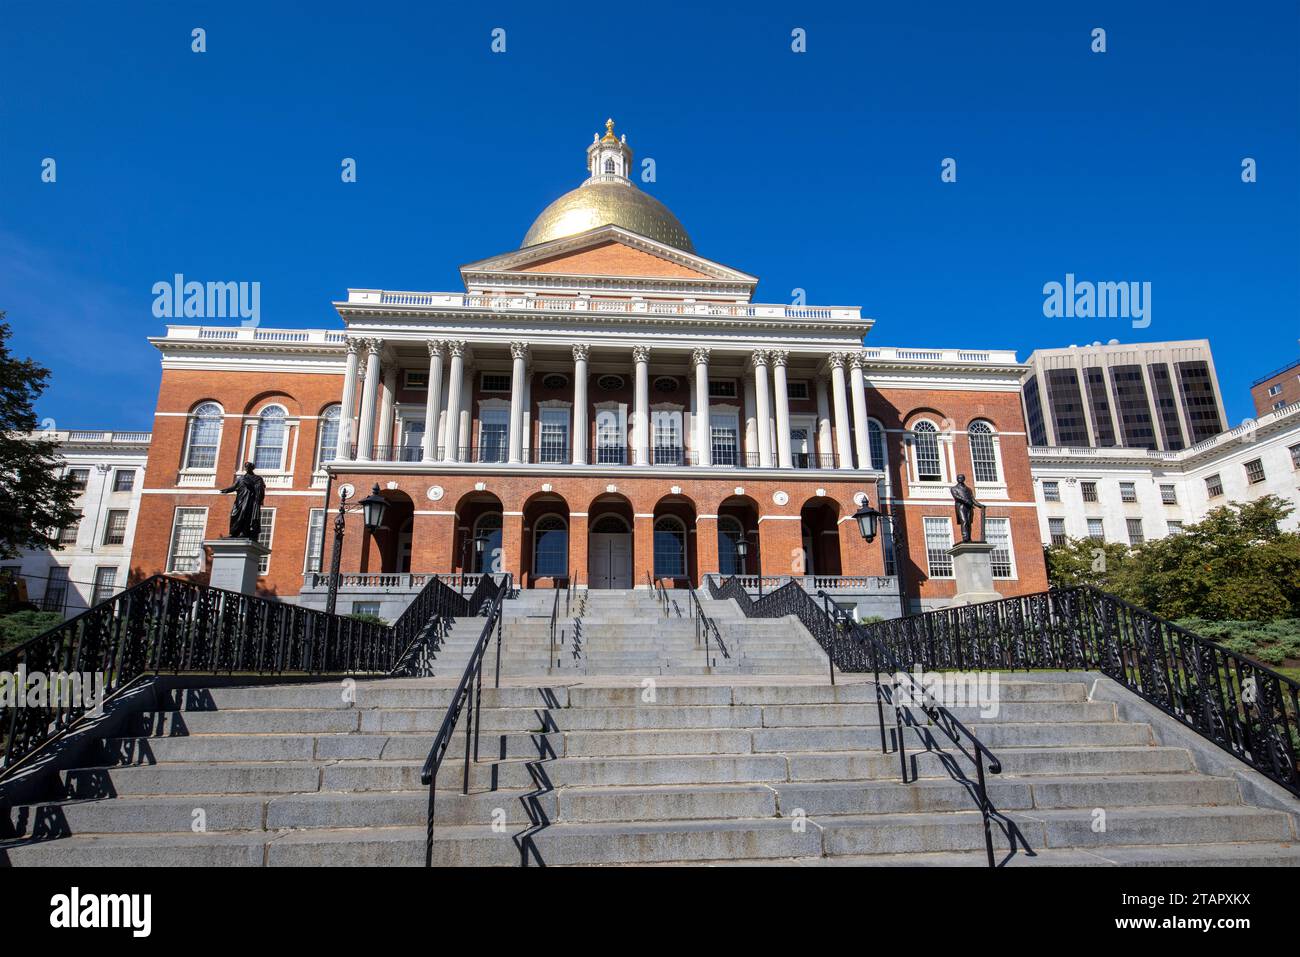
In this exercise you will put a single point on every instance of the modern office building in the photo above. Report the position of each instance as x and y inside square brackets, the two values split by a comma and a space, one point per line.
[1155, 395]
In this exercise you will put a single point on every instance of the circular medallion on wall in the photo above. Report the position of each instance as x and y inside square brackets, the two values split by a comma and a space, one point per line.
[435, 493]
[347, 490]
[781, 498]
[859, 498]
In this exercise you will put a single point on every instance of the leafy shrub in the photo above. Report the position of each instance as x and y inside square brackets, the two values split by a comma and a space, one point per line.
[22, 625]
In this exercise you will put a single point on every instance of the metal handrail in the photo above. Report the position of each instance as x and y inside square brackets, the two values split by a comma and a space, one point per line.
[555, 613]
[660, 593]
[468, 691]
[705, 624]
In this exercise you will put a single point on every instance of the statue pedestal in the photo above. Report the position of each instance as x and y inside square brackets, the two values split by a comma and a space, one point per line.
[234, 563]
[972, 567]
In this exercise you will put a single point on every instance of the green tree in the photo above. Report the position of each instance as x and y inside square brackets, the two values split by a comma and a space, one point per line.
[21, 625]
[35, 501]
[1085, 561]
[1233, 564]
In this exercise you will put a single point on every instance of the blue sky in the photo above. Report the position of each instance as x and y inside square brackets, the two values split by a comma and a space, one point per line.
[818, 170]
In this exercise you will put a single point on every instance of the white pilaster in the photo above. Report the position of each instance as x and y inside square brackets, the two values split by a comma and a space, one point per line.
[843, 447]
[366, 430]
[751, 422]
[861, 433]
[763, 394]
[433, 402]
[703, 445]
[388, 396]
[348, 410]
[456, 375]
[825, 449]
[779, 359]
[579, 437]
[519, 356]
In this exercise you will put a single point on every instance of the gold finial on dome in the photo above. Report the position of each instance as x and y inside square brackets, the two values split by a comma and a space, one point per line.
[609, 131]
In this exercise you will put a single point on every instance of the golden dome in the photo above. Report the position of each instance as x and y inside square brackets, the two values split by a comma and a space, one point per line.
[595, 204]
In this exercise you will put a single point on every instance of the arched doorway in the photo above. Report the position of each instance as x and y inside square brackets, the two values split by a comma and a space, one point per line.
[478, 519]
[545, 558]
[673, 553]
[820, 518]
[609, 543]
[390, 546]
[737, 520]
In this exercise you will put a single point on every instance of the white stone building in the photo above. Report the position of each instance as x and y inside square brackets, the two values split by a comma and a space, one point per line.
[1131, 495]
[94, 562]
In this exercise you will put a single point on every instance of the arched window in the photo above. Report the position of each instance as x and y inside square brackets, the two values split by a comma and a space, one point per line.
[488, 528]
[609, 525]
[925, 444]
[670, 548]
[876, 445]
[729, 533]
[983, 452]
[205, 437]
[550, 547]
[328, 445]
[609, 166]
[268, 454]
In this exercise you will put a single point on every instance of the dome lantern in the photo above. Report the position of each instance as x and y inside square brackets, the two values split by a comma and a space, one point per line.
[608, 157]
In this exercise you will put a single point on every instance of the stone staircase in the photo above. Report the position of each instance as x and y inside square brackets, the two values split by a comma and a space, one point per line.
[624, 633]
[607, 771]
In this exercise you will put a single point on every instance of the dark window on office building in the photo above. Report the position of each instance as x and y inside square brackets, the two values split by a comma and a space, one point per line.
[1066, 405]
[1134, 413]
[1099, 406]
[1034, 412]
[1166, 406]
[1198, 400]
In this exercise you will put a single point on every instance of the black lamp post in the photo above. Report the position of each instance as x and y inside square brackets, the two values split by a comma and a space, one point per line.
[480, 544]
[868, 521]
[372, 516]
[742, 550]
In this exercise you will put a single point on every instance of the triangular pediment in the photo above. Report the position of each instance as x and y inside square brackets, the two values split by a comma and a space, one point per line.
[608, 251]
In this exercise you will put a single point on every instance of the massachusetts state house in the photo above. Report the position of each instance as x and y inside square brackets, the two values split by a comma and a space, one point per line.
[602, 404]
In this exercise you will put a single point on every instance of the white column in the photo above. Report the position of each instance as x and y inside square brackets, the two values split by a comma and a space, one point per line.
[843, 447]
[860, 431]
[579, 436]
[451, 441]
[779, 358]
[433, 402]
[389, 395]
[764, 396]
[348, 410]
[465, 428]
[641, 407]
[703, 445]
[519, 355]
[824, 447]
[366, 430]
[751, 422]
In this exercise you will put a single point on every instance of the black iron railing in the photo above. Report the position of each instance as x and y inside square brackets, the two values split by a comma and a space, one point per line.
[167, 625]
[468, 694]
[1246, 708]
[706, 628]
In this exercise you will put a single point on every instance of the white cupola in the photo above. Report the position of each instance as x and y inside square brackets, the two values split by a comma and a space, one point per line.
[609, 158]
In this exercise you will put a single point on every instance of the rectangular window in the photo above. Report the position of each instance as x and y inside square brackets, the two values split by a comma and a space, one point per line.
[495, 382]
[797, 389]
[105, 584]
[1213, 486]
[1279, 404]
[1135, 535]
[553, 445]
[123, 480]
[186, 552]
[56, 589]
[417, 379]
[926, 442]
[115, 527]
[1175, 528]
[1051, 491]
[887, 537]
[666, 438]
[80, 478]
[1065, 404]
[1128, 492]
[1056, 531]
[998, 533]
[724, 439]
[1168, 495]
[1096, 530]
[938, 540]
[264, 536]
[611, 446]
[1275, 390]
[493, 435]
[315, 536]
[1089, 490]
[1295, 456]
[68, 534]
[722, 388]
[1254, 471]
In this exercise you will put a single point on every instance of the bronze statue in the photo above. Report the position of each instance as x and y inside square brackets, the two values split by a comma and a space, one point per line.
[246, 513]
[966, 506]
